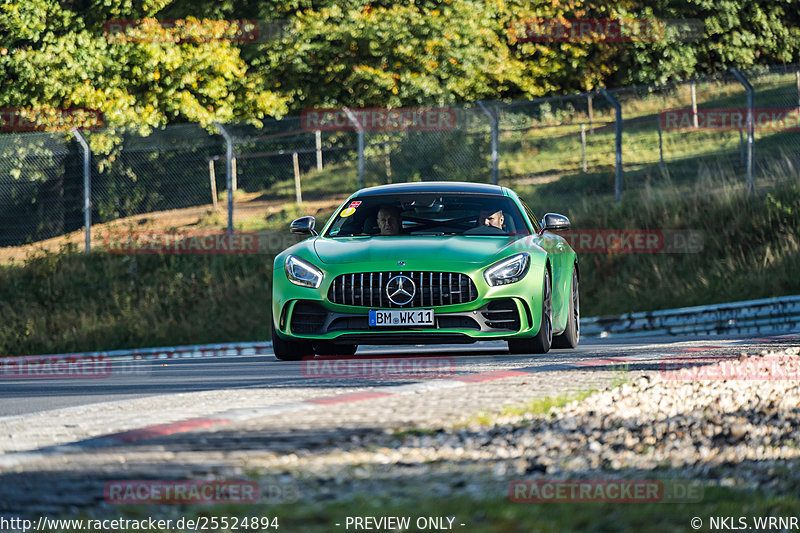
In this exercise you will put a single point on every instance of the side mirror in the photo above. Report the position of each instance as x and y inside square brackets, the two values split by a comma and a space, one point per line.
[303, 226]
[554, 222]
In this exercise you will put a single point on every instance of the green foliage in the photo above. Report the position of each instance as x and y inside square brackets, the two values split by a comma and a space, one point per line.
[357, 53]
[737, 33]
[56, 57]
[403, 55]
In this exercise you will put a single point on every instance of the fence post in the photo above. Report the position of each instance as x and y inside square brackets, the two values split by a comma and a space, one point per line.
[617, 144]
[742, 155]
[234, 174]
[298, 192]
[228, 171]
[750, 127]
[87, 189]
[797, 82]
[660, 142]
[495, 123]
[694, 104]
[583, 146]
[360, 129]
[318, 136]
[591, 113]
[212, 177]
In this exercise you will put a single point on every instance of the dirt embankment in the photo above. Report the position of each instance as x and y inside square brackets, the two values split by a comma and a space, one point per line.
[250, 210]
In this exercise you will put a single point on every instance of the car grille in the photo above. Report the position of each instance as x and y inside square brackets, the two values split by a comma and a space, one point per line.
[368, 289]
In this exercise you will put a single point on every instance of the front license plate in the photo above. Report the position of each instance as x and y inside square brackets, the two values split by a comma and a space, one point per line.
[401, 317]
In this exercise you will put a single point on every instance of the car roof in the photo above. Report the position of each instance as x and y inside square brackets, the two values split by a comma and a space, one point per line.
[445, 187]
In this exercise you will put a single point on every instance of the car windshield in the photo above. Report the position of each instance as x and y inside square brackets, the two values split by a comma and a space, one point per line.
[428, 214]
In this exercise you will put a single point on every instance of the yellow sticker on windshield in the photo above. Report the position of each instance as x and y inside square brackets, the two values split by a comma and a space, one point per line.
[350, 209]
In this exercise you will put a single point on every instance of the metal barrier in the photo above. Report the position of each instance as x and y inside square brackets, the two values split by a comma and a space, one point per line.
[768, 315]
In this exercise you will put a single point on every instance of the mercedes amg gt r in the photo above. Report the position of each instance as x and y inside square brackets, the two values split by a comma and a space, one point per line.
[420, 263]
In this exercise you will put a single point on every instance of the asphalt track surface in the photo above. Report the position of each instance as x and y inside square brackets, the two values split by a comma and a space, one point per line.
[196, 417]
[151, 378]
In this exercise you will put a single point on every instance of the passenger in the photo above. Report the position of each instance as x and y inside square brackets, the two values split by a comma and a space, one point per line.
[495, 219]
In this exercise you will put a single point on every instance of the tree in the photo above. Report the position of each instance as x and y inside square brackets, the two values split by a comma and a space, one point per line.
[58, 58]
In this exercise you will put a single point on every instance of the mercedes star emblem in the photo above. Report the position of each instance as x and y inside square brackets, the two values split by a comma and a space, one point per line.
[400, 290]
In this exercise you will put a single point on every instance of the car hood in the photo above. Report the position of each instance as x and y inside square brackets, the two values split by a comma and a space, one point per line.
[473, 249]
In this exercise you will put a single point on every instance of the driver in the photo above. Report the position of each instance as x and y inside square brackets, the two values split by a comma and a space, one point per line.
[389, 220]
[495, 219]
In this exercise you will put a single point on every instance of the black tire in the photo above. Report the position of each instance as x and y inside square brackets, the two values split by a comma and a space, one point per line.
[329, 348]
[571, 335]
[290, 350]
[544, 339]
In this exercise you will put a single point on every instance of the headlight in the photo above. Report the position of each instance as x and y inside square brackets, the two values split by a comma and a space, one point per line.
[509, 270]
[303, 273]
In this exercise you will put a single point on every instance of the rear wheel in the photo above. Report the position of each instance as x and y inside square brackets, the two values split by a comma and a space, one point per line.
[290, 350]
[542, 341]
[329, 348]
[571, 335]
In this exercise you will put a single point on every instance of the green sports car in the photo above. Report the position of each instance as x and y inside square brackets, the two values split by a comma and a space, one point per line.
[431, 262]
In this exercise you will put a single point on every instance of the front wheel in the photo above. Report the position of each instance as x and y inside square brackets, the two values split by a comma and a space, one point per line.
[571, 335]
[290, 350]
[543, 340]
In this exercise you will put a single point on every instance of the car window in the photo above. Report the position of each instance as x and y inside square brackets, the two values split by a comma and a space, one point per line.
[531, 215]
[428, 214]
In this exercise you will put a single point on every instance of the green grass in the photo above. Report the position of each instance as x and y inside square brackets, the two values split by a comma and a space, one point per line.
[495, 513]
[533, 408]
[543, 406]
[414, 432]
[622, 375]
[341, 178]
[68, 301]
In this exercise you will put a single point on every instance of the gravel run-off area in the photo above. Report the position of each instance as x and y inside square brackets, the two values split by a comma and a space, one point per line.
[734, 423]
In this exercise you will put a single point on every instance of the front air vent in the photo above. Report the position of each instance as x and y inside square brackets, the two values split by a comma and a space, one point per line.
[502, 314]
[308, 317]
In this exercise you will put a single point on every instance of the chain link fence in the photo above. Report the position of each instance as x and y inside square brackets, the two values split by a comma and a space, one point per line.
[329, 161]
[678, 132]
[165, 169]
[542, 140]
[41, 187]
